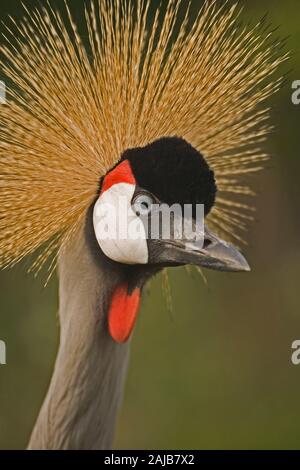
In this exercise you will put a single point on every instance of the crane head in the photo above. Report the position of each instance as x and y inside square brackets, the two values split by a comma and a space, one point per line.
[102, 107]
[151, 209]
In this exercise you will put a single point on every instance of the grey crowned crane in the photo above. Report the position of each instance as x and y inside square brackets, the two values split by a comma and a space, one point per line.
[163, 110]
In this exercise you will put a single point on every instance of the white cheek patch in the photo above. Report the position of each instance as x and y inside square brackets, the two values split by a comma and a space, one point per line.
[119, 231]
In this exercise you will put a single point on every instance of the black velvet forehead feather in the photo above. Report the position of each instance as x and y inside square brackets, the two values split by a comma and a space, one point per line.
[174, 171]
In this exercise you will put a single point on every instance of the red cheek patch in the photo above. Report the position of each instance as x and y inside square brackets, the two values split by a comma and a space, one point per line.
[123, 312]
[121, 174]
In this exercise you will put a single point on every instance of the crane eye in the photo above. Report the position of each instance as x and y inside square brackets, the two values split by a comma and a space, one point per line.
[142, 204]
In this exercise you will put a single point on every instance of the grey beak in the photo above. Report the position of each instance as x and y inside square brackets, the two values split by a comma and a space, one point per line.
[214, 253]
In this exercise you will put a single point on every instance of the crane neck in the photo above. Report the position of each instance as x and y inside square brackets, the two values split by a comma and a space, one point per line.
[81, 406]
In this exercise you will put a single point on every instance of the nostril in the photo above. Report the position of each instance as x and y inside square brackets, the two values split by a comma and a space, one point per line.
[207, 243]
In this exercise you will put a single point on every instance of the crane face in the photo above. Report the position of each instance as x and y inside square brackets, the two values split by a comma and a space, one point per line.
[151, 210]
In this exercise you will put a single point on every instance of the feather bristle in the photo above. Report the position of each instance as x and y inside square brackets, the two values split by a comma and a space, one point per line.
[74, 108]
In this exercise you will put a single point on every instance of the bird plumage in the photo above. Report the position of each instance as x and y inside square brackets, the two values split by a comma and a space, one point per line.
[174, 171]
[73, 108]
[86, 388]
[140, 86]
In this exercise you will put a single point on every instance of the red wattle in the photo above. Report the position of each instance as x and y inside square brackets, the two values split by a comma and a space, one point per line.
[123, 312]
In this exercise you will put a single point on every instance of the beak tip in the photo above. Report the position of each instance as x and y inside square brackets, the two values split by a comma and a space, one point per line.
[242, 264]
[247, 268]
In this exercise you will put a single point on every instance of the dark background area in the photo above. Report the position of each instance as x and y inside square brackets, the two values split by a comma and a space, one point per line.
[217, 372]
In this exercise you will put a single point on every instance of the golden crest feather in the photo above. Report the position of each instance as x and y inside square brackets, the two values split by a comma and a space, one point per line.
[74, 107]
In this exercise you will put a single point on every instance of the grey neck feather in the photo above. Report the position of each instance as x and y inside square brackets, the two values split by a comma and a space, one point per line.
[85, 392]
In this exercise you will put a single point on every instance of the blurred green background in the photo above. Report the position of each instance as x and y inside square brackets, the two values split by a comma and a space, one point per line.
[217, 372]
